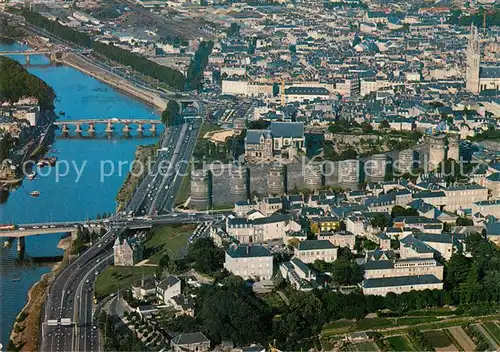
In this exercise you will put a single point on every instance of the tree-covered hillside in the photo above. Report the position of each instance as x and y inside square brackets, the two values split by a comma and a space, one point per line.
[16, 82]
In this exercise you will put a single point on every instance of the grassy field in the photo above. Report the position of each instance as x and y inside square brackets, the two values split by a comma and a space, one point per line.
[493, 329]
[336, 327]
[341, 326]
[414, 320]
[366, 346]
[272, 299]
[168, 240]
[438, 338]
[399, 343]
[442, 311]
[208, 127]
[113, 277]
[373, 323]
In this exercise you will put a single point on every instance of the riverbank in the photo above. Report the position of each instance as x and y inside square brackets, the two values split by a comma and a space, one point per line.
[25, 332]
[87, 67]
[144, 156]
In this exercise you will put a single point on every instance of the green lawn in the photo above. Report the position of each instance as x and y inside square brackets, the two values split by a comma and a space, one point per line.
[168, 240]
[272, 299]
[432, 312]
[399, 343]
[341, 326]
[438, 338]
[366, 347]
[492, 328]
[413, 320]
[208, 127]
[370, 323]
[114, 277]
[337, 326]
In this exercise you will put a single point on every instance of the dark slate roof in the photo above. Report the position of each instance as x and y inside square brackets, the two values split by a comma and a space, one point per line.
[190, 338]
[378, 264]
[401, 281]
[493, 229]
[272, 219]
[315, 244]
[307, 91]
[287, 129]
[489, 72]
[429, 194]
[494, 177]
[168, 282]
[243, 251]
[300, 264]
[434, 238]
[416, 244]
[253, 136]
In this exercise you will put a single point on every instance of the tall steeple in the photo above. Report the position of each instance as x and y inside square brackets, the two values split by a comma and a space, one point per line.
[473, 61]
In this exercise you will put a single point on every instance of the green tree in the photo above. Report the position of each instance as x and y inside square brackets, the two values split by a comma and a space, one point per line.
[380, 221]
[301, 322]
[234, 29]
[207, 257]
[197, 65]
[384, 125]
[169, 114]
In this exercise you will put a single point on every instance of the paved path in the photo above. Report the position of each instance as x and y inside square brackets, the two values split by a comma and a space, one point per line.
[283, 297]
[462, 338]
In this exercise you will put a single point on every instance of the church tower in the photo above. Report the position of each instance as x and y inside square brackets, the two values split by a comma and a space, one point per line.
[473, 61]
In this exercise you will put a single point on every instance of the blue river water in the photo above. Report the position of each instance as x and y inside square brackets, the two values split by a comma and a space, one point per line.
[66, 197]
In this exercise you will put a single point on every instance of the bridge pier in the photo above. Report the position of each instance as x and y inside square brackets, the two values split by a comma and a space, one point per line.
[65, 129]
[153, 129]
[28, 59]
[21, 244]
[126, 129]
[109, 128]
[8, 241]
[140, 128]
[78, 129]
[91, 129]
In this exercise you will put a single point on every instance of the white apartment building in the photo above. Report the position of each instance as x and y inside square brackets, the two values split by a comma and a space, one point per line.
[249, 261]
[312, 250]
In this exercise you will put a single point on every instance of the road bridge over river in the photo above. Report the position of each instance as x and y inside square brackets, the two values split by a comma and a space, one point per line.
[88, 125]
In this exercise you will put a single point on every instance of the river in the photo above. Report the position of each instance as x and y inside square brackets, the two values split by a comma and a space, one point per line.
[69, 197]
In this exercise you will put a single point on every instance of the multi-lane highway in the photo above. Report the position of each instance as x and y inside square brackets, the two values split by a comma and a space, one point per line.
[157, 191]
[70, 297]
